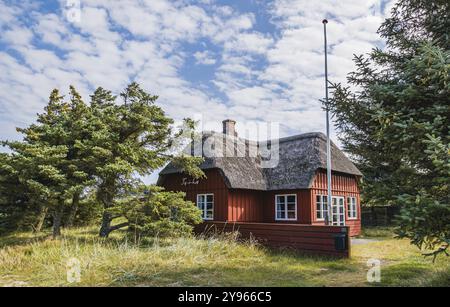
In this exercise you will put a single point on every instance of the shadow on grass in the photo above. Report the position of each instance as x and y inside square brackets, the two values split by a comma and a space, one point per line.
[13, 240]
[299, 254]
[88, 235]
[119, 238]
[440, 279]
[403, 274]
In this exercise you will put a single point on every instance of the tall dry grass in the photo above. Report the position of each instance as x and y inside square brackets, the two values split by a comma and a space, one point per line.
[211, 259]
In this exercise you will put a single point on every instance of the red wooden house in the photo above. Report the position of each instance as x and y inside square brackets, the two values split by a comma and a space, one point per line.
[277, 182]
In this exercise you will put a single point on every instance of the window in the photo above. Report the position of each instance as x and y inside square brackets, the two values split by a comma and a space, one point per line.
[285, 207]
[337, 211]
[321, 207]
[351, 208]
[205, 202]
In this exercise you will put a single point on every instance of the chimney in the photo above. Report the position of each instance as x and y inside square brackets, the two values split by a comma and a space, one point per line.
[228, 127]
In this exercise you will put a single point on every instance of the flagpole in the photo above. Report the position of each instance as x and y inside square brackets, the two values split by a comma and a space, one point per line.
[329, 217]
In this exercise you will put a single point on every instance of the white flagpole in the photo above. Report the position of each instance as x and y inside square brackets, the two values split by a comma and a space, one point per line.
[329, 217]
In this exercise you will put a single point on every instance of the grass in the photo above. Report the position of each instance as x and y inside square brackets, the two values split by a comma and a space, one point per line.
[29, 260]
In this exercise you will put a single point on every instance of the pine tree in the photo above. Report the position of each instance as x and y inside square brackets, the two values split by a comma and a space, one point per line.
[394, 120]
[74, 148]
[16, 209]
[132, 137]
[47, 160]
[151, 211]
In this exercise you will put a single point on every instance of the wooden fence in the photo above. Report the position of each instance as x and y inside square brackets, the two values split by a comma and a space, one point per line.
[322, 240]
[379, 216]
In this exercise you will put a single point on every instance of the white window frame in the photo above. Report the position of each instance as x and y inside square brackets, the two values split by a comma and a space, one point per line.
[285, 207]
[323, 209]
[335, 204]
[352, 201]
[204, 210]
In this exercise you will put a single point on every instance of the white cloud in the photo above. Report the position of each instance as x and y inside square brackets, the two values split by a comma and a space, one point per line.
[17, 35]
[204, 57]
[249, 42]
[262, 76]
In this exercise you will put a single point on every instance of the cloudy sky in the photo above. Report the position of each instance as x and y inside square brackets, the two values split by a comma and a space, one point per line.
[250, 60]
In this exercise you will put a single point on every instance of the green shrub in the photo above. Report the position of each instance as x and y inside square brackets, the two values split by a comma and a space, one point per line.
[161, 213]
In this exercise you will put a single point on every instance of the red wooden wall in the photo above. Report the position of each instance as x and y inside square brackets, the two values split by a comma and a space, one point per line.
[306, 238]
[342, 185]
[245, 205]
[229, 204]
[239, 205]
[303, 206]
[212, 184]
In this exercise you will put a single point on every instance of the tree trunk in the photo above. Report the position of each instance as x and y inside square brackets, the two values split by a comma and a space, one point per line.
[106, 193]
[57, 217]
[105, 229]
[73, 209]
[41, 219]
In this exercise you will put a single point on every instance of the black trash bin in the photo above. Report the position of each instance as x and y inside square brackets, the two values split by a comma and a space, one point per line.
[340, 242]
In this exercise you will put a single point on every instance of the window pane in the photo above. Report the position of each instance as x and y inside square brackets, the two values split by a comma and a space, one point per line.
[325, 199]
[280, 207]
[351, 207]
[206, 204]
[319, 207]
[291, 214]
[291, 199]
[280, 199]
[280, 215]
[200, 204]
[291, 207]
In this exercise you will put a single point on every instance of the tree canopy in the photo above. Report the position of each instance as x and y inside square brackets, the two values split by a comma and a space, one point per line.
[75, 147]
[394, 120]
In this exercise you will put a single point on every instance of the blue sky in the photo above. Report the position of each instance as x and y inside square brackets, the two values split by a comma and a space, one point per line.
[253, 61]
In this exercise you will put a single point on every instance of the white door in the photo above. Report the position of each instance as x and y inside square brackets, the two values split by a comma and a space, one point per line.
[337, 211]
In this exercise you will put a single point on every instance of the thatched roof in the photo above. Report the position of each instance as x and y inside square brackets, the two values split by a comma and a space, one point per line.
[256, 166]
